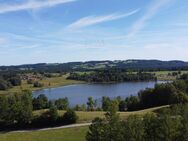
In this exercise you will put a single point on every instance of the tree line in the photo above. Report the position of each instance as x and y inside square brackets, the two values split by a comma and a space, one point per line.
[112, 76]
[168, 125]
[42, 102]
[134, 65]
[16, 111]
[162, 94]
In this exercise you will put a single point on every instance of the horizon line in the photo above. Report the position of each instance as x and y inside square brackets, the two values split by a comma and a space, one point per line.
[186, 61]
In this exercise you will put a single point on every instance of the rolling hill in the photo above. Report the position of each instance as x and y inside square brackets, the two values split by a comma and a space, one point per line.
[95, 65]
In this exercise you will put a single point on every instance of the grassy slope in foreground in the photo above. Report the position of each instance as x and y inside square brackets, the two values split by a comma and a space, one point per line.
[89, 116]
[69, 134]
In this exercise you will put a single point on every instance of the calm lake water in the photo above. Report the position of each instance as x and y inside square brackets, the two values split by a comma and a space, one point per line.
[78, 94]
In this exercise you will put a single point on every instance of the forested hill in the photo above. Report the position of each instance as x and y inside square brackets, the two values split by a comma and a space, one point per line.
[95, 65]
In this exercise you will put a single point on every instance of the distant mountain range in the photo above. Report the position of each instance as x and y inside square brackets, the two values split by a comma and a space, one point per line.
[95, 65]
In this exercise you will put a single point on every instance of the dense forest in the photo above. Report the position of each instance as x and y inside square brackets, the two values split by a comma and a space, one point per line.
[134, 65]
[112, 76]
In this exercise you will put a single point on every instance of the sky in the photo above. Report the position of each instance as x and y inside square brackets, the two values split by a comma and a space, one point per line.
[57, 31]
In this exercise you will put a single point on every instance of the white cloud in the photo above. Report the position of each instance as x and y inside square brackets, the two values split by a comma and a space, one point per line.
[29, 47]
[91, 20]
[5, 8]
[151, 11]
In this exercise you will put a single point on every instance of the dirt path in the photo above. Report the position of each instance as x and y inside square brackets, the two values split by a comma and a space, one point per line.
[52, 128]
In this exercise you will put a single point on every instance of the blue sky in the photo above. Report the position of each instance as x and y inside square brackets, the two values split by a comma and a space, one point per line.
[33, 31]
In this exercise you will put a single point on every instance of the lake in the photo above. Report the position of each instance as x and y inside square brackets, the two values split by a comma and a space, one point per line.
[78, 94]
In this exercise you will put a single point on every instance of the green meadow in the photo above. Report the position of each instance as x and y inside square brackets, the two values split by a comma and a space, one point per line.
[69, 134]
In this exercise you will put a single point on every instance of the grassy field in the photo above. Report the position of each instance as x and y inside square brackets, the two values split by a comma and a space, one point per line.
[48, 83]
[89, 116]
[69, 134]
[163, 75]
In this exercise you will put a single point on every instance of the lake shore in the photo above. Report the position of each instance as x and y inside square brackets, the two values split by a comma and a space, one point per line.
[62, 81]
[79, 93]
[53, 82]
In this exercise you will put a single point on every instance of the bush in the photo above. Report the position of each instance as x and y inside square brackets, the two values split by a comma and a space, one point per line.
[30, 81]
[15, 81]
[37, 84]
[62, 103]
[70, 117]
[184, 76]
[41, 102]
[3, 85]
[53, 114]
[48, 118]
